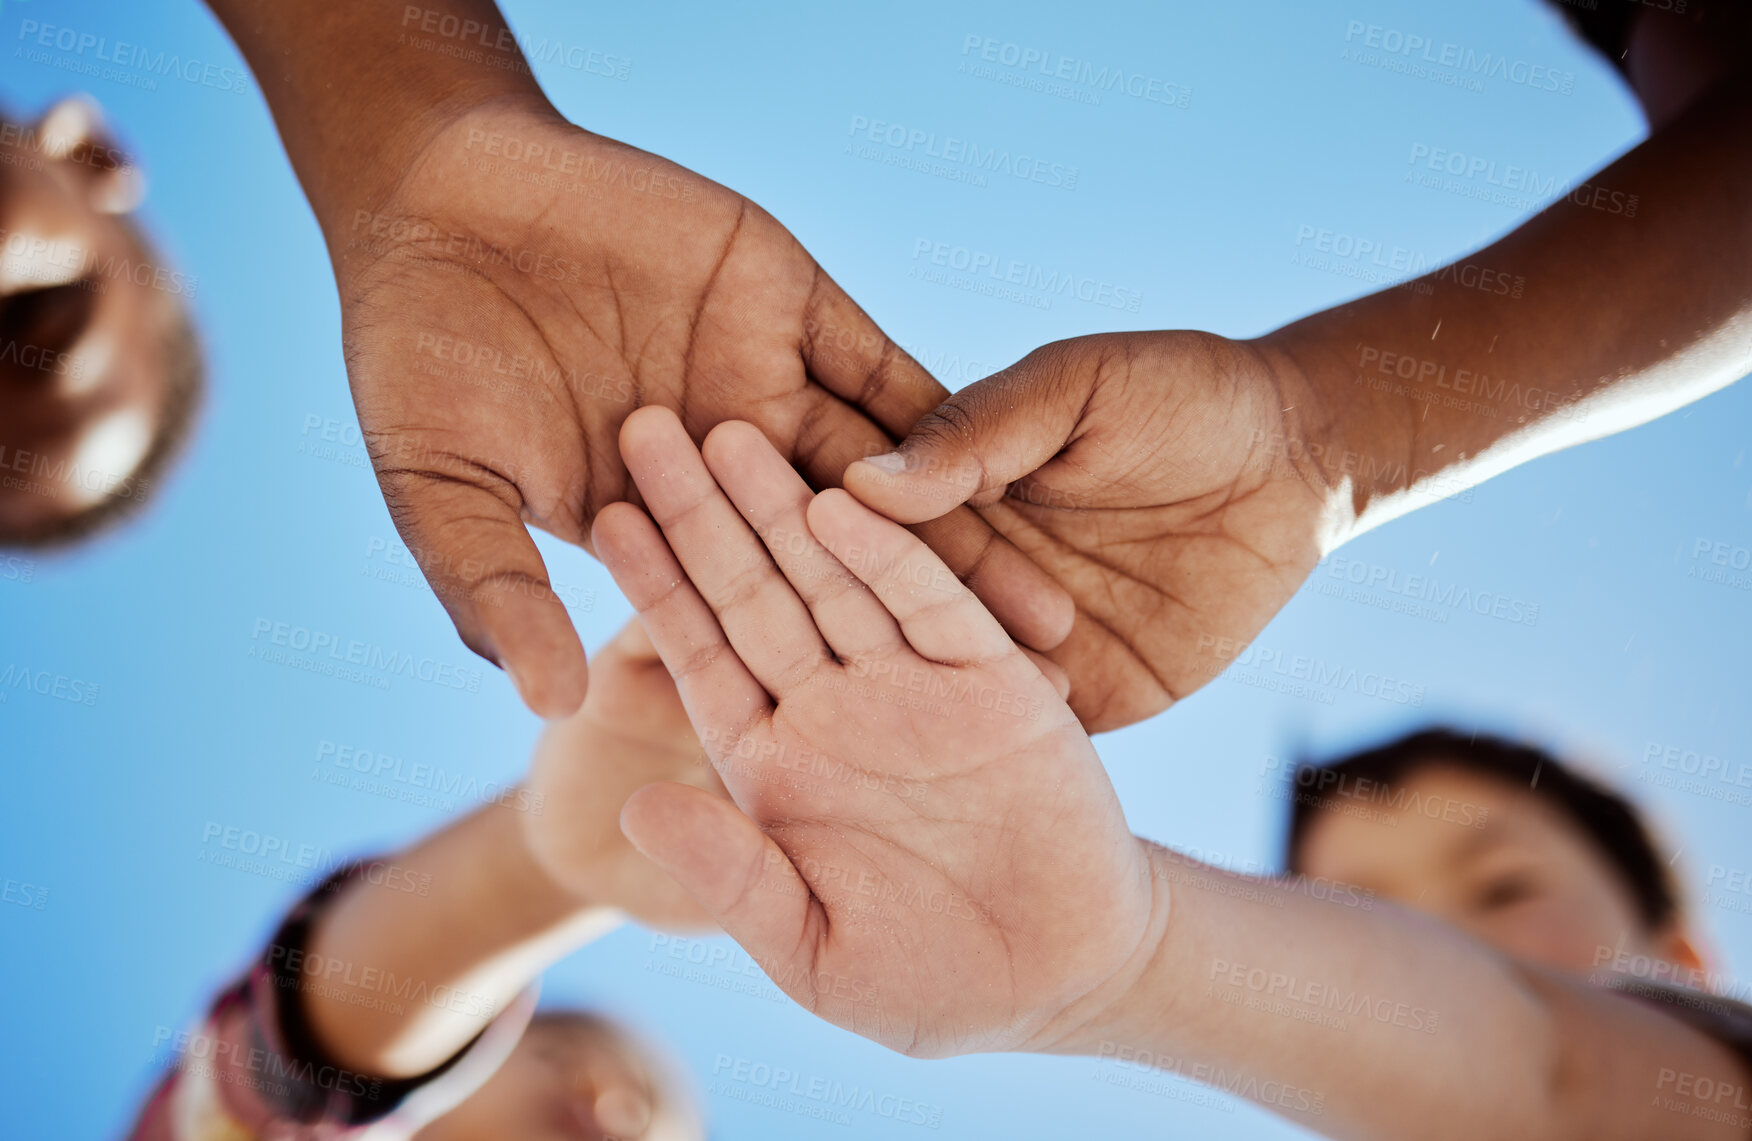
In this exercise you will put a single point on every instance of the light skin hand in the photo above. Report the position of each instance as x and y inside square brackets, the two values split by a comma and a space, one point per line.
[1006, 908]
[923, 846]
[512, 286]
[631, 731]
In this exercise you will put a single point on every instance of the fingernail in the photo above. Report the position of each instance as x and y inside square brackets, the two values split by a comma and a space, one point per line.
[890, 463]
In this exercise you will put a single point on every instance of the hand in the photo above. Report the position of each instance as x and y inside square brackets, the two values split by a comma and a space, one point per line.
[1151, 475]
[515, 888]
[631, 731]
[526, 284]
[924, 847]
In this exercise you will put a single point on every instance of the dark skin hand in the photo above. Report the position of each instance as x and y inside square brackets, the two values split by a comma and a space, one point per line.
[1150, 493]
[491, 396]
[1182, 485]
[512, 286]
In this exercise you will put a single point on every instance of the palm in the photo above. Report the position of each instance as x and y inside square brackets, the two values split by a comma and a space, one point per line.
[631, 731]
[527, 285]
[927, 850]
[901, 828]
[528, 369]
[1172, 515]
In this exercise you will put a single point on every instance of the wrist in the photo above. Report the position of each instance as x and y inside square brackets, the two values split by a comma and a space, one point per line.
[1395, 421]
[380, 157]
[1134, 997]
[1327, 438]
[566, 884]
[360, 91]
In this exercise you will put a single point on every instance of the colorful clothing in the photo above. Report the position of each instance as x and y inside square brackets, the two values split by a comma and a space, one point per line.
[253, 1071]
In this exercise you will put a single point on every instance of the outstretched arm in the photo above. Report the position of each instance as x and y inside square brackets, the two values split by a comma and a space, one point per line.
[1183, 485]
[466, 916]
[1379, 1022]
[512, 286]
[1637, 300]
[923, 848]
[474, 913]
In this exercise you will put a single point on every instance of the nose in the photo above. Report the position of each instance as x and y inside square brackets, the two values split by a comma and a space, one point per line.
[618, 1109]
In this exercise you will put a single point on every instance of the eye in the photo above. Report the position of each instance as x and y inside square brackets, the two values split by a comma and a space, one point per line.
[48, 320]
[1506, 891]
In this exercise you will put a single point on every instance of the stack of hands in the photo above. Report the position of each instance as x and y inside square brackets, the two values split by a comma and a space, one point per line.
[512, 286]
[911, 804]
[893, 680]
[1129, 492]
[902, 821]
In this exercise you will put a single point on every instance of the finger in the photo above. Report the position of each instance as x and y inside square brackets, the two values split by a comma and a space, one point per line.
[722, 698]
[1026, 600]
[939, 616]
[1030, 604]
[852, 358]
[1052, 671]
[970, 448]
[734, 872]
[476, 553]
[774, 499]
[759, 611]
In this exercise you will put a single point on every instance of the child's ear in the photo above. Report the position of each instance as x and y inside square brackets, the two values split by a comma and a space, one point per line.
[73, 133]
[1677, 946]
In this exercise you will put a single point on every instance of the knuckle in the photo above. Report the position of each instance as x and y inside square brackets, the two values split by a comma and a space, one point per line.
[951, 423]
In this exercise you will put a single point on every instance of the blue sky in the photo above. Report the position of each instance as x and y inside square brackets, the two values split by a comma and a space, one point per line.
[1189, 214]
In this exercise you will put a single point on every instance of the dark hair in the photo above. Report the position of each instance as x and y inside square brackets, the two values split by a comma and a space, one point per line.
[1609, 821]
[185, 382]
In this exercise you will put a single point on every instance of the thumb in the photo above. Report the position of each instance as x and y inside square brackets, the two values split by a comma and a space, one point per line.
[734, 872]
[971, 447]
[478, 556]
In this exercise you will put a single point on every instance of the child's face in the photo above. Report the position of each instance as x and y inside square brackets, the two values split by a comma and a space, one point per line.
[1485, 856]
[83, 312]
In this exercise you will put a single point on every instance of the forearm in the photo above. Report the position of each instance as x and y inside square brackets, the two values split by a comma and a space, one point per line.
[357, 88]
[398, 978]
[1375, 1022]
[1616, 320]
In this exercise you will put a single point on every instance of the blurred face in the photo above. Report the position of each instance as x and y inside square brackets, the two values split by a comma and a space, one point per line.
[1527, 882]
[570, 1080]
[1672, 61]
[82, 370]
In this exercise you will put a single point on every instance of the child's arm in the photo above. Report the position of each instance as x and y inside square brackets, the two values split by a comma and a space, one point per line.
[468, 917]
[929, 853]
[419, 970]
[363, 1004]
[1377, 1022]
